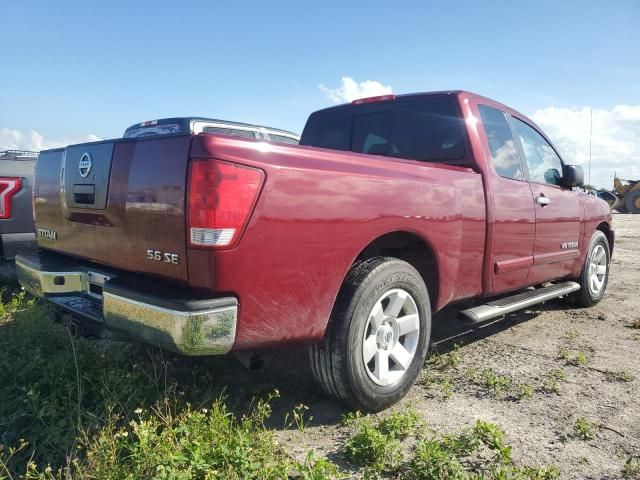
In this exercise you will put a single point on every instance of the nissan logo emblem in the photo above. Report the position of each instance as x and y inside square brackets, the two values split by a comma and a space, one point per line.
[85, 164]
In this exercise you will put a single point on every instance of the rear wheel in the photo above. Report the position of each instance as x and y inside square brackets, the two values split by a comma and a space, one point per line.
[378, 335]
[595, 271]
[632, 201]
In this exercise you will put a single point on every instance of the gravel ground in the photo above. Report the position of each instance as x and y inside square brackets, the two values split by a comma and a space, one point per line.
[597, 349]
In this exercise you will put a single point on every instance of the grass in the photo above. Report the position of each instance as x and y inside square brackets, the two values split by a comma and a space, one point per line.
[298, 418]
[77, 408]
[621, 376]
[494, 383]
[479, 452]
[585, 429]
[375, 446]
[497, 385]
[553, 379]
[444, 373]
[576, 358]
[17, 301]
[474, 454]
[631, 469]
[444, 361]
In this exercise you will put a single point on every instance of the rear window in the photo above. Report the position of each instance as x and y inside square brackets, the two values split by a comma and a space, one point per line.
[282, 139]
[234, 132]
[427, 129]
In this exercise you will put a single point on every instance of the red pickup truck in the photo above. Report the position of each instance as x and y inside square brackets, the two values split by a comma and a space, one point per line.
[389, 209]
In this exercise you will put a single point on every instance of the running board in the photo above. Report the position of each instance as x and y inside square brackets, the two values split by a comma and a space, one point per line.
[501, 307]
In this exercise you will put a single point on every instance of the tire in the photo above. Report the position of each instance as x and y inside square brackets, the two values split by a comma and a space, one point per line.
[622, 209]
[362, 325]
[589, 295]
[632, 201]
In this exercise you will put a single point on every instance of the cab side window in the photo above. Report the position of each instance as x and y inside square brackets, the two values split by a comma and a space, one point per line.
[543, 162]
[503, 150]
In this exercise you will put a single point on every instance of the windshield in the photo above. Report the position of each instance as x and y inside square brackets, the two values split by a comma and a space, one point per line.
[427, 128]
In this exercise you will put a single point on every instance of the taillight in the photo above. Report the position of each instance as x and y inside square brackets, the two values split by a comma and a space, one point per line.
[220, 198]
[8, 188]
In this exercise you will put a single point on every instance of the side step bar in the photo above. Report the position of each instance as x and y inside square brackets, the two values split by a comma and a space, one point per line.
[501, 307]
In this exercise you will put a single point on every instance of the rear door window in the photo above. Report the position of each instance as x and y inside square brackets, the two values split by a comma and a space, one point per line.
[504, 154]
[426, 129]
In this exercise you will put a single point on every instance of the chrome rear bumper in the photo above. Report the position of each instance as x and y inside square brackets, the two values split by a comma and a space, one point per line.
[140, 310]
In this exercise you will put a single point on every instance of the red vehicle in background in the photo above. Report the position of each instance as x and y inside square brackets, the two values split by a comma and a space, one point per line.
[389, 209]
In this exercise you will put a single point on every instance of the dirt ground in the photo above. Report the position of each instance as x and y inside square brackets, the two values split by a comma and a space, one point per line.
[593, 347]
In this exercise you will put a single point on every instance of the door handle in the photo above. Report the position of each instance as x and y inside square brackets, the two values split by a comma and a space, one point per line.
[542, 200]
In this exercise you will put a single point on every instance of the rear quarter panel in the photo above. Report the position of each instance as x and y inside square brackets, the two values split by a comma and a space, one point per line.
[318, 210]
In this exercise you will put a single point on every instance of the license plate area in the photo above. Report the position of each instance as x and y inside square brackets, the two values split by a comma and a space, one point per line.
[79, 305]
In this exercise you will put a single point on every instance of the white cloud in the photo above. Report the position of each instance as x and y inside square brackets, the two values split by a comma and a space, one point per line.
[615, 146]
[16, 140]
[350, 90]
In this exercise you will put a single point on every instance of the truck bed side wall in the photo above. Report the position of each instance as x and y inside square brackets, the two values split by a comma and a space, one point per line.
[317, 212]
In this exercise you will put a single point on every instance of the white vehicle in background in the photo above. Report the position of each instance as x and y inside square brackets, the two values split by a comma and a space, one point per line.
[197, 125]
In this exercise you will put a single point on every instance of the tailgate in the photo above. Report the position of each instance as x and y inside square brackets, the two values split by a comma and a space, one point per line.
[110, 202]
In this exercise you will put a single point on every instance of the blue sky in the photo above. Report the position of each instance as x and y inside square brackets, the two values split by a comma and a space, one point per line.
[74, 68]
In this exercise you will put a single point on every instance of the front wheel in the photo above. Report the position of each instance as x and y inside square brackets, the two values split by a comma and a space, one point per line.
[378, 335]
[595, 271]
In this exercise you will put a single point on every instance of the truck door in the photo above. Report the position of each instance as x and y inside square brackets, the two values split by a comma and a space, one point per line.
[511, 233]
[557, 208]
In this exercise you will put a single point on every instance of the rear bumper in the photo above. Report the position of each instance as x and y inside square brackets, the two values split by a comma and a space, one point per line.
[13, 243]
[137, 308]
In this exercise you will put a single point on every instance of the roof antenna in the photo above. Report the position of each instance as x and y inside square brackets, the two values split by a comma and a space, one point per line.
[590, 135]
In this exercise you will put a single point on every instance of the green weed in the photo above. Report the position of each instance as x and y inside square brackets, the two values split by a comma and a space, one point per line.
[372, 449]
[572, 357]
[314, 468]
[621, 376]
[298, 417]
[553, 379]
[375, 445]
[631, 468]
[447, 360]
[525, 391]
[585, 429]
[497, 384]
[445, 457]
[18, 302]
[433, 460]
[400, 424]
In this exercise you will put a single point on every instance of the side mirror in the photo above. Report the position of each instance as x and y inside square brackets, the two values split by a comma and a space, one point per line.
[572, 176]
